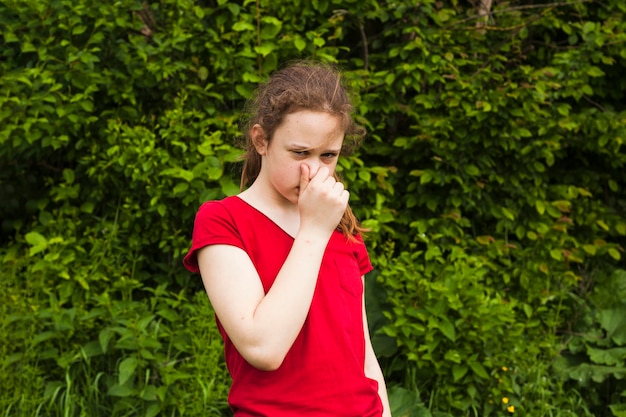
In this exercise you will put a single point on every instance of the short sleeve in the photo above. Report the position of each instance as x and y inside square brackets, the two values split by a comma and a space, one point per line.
[360, 250]
[214, 225]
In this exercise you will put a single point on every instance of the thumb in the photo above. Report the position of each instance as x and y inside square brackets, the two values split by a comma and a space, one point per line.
[305, 176]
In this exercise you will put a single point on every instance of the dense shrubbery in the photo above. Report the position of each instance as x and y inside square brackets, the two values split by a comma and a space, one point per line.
[492, 180]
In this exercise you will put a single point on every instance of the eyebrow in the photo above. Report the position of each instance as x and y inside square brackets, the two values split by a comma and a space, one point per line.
[303, 147]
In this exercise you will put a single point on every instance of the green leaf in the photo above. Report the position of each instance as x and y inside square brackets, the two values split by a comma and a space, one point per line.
[459, 371]
[104, 337]
[447, 328]
[595, 72]
[127, 369]
[453, 356]
[508, 214]
[299, 43]
[472, 170]
[243, 27]
[118, 390]
[590, 249]
[613, 320]
[613, 356]
[203, 73]
[37, 241]
[540, 206]
[153, 409]
[478, 369]
[614, 253]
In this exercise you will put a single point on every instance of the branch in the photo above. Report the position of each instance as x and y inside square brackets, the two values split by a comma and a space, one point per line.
[523, 7]
[484, 11]
[594, 103]
[366, 55]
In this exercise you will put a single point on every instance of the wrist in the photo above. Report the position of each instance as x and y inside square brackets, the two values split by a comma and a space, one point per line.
[313, 235]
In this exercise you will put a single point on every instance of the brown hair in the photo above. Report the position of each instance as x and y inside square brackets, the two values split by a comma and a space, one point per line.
[300, 86]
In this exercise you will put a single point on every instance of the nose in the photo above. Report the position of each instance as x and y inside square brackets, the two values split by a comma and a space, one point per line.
[314, 166]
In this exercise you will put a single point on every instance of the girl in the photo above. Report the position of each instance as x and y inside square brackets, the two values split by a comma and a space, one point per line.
[283, 261]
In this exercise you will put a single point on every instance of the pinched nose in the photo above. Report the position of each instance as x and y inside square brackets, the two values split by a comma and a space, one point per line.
[314, 166]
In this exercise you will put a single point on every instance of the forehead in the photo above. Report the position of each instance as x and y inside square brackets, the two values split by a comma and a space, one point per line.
[311, 129]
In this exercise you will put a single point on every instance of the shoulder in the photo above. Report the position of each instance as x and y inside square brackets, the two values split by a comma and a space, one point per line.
[215, 224]
[218, 209]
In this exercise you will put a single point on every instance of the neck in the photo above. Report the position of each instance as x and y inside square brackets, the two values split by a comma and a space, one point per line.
[280, 210]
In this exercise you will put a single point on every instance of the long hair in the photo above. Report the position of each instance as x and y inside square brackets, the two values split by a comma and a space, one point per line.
[300, 86]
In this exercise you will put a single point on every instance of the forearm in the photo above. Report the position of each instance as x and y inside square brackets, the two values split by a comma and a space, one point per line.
[280, 315]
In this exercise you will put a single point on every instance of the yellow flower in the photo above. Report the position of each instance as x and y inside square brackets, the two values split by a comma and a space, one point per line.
[504, 368]
[510, 409]
[505, 400]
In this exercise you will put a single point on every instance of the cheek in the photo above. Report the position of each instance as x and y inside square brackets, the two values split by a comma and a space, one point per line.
[332, 165]
[288, 170]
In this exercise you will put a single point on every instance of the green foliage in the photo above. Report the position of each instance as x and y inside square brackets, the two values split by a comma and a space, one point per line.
[596, 353]
[491, 179]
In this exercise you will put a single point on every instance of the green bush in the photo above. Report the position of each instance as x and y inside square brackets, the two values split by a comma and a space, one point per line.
[491, 179]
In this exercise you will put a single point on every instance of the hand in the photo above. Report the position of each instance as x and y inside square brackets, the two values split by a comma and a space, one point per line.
[322, 200]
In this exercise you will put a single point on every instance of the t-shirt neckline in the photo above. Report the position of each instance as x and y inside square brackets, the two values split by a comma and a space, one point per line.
[264, 215]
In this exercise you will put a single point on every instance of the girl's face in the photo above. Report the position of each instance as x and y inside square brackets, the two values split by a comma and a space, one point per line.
[304, 137]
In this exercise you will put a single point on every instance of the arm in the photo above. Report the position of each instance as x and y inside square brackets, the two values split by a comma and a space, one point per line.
[264, 326]
[372, 367]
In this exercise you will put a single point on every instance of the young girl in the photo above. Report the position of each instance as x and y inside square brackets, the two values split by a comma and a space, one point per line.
[283, 261]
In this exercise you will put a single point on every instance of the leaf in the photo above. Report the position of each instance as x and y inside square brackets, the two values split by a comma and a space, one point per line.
[614, 356]
[613, 320]
[404, 402]
[589, 27]
[228, 186]
[478, 369]
[127, 369]
[447, 328]
[92, 349]
[270, 27]
[485, 240]
[104, 337]
[243, 27]
[118, 390]
[453, 356]
[508, 214]
[265, 49]
[472, 170]
[556, 254]
[590, 249]
[299, 43]
[595, 72]
[459, 371]
[618, 410]
[540, 206]
[153, 409]
[37, 241]
[602, 224]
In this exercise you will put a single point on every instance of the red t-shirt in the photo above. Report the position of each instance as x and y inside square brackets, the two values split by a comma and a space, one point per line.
[322, 374]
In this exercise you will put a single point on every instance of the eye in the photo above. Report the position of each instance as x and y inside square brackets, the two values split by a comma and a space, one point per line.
[300, 153]
[329, 155]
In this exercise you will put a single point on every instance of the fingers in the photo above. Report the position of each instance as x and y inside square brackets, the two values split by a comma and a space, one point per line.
[322, 200]
[321, 175]
[305, 176]
[322, 180]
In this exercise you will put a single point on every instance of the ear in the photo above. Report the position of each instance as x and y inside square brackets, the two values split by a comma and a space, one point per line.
[260, 142]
